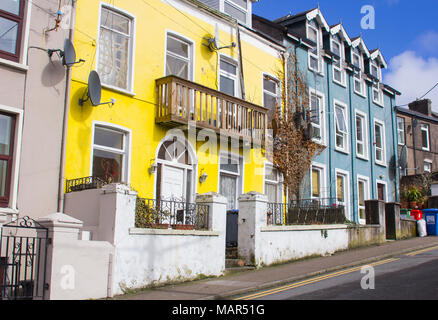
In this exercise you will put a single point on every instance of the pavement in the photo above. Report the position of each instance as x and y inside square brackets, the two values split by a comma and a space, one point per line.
[237, 283]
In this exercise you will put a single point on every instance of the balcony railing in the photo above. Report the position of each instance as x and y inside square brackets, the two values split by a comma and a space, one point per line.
[181, 101]
[84, 183]
[159, 214]
[306, 212]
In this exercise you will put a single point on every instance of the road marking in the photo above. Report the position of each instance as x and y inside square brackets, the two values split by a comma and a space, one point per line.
[312, 280]
[414, 253]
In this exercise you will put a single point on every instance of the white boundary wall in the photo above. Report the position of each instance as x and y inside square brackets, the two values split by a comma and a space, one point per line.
[144, 257]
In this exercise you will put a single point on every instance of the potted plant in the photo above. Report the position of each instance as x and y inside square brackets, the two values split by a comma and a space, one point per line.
[404, 203]
[149, 217]
[183, 226]
[413, 196]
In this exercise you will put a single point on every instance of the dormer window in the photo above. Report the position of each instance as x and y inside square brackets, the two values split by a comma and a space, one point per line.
[359, 86]
[238, 9]
[356, 59]
[375, 70]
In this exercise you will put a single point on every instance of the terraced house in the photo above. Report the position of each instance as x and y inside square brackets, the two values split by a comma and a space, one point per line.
[192, 85]
[352, 112]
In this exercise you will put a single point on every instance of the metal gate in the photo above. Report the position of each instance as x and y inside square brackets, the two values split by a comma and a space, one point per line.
[23, 253]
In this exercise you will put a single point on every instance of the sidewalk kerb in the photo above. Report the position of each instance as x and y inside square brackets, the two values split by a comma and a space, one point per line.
[272, 284]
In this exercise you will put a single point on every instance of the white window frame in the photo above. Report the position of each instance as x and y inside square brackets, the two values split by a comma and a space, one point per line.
[344, 107]
[339, 68]
[278, 184]
[191, 59]
[425, 128]
[381, 162]
[321, 126]
[236, 6]
[311, 55]
[428, 162]
[379, 101]
[379, 71]
[127, 143]
[15, 172]
[365, 180]
[364, 118]
[401, 131]
[240, 181]
[346, 176]
[357, 77]
[323, 180]
[228, 75]
[277, 95]
[131, 56]
[386, 189]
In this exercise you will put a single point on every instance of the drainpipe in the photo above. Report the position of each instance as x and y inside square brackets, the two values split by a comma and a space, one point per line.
[329, 131]
[394, 144]
[65, 119]
[372, 149]
[413, 141]
[239, 46]
[353, 155]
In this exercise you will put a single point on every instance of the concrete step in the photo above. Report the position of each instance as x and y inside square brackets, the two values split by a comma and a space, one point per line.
[233, 263]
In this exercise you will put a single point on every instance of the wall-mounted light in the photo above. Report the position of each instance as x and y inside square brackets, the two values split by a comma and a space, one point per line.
[382, 176]
[153, 167]
[203, 177]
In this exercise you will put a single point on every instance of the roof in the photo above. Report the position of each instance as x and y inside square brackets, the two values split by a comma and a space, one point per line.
[309, 15]
[339, 28]
[416, 114]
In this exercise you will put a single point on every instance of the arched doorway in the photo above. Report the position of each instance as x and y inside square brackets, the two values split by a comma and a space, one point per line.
[176, 170]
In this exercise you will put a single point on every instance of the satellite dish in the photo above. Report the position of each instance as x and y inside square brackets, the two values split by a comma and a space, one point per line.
[403, 161]
[213, 43]
[68, 55]
[94, 91]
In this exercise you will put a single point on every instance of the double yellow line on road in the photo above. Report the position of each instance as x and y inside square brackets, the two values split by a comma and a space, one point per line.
[414, 253]
[312, 280]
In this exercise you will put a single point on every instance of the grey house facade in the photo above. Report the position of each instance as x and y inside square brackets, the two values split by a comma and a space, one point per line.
[33, 88]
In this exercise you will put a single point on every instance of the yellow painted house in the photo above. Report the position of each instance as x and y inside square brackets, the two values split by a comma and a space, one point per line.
[186, 89]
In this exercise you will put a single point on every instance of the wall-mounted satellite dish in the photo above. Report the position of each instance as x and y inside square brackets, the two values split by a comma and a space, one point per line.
[94, 91]
[403, 161]
[213, 42]
[68, 55]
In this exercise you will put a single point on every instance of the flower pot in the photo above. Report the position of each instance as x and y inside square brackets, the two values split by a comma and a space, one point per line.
[413, 204]
[183, 226]
[159, 225]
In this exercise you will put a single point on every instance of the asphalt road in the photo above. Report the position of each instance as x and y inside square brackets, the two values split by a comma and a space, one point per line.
[412, 276]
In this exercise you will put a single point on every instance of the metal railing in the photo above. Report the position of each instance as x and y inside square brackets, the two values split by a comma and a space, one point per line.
[84, 183]
[164, 214]
[306, 212]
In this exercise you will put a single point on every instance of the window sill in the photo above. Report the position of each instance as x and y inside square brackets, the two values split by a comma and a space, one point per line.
[340, 83]
[427, 150]
[14, 65]
[8, 211]
[362, 158]
[378, 103]
[118, 90]
[317, 72]
[360, 94]
[346, 152]
[380, 163]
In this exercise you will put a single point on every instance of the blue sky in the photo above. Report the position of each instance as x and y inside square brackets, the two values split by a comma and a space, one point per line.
[405, 30]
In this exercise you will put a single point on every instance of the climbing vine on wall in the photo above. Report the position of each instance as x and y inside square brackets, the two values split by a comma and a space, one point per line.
[293, 147]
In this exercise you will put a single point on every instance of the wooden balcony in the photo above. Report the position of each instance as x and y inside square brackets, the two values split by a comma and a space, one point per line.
[181, 101]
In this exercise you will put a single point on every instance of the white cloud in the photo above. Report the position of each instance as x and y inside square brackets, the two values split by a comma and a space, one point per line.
[413, 76]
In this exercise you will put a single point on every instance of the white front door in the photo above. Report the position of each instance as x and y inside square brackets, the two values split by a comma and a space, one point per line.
[172, 184]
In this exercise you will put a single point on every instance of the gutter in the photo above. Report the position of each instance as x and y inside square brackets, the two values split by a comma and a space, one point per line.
[65, 119]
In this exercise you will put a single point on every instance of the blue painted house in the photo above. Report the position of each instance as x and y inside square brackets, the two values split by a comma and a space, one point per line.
[352, 111]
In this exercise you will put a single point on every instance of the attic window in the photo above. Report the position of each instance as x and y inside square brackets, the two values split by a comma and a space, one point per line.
[375, 70]
[238, 9]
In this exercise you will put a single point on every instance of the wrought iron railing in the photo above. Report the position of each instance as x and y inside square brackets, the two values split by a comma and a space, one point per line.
[164, 214]
[84, 183]
[306, 212]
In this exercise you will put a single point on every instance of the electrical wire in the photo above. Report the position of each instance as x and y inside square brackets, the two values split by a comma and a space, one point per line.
[436, 85]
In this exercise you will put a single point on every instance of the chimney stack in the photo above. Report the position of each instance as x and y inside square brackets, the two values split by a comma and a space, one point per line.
[422, 106]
